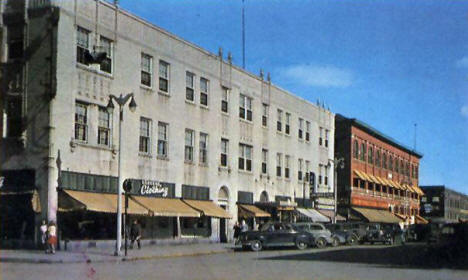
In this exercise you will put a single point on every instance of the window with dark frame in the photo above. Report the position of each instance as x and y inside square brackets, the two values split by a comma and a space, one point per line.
[320, 174]
[203, 146]
[265, 115]
[225, 100]
[363, 151]
[377, 158]
[146, 69]
[164, 76]
[106, 64]
[224, 151]
[301, 127]
[204, 88]
[82, 45]
[189, 90]
[245, 157]
[370, 157]
[189, 143]
[104, 127]
[163, 140]
[384, 160]
[81, 122]
[245, 107]
[264, 161]
[286, 166]
[307, 136]
[327, 135]
[356, 149]
[287, 124]
[145, 135]
[278, 164]
[299, 170]
[279, 120]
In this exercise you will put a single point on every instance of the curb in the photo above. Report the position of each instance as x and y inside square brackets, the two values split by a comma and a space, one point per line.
[111, 260]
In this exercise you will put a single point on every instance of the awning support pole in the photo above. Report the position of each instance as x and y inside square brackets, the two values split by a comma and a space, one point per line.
[179, 234]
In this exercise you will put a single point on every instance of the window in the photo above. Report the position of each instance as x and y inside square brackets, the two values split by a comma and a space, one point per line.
[321, 137]
[416, 171]
[320, 174]
[396, 165]
[286, 128]
[145, 135]
[301, 127]
[407, 169]
[164, 76]
[189, 86]
[81, 122]
[390, 163]
[245, 107]
[286, 166]
[363, 151]
[299, 170]
[326, 175]
[106, 64]
[189, 141]
[82, 45]
[384, 161]
[370, 157]
[265, 115]
[204, 85]
[280, 118]
[356, 149]
[146, 69]
[279, 165]
[377, 159]
[245, 157]
[15, 42]
[162, 139]
[224, 151]
[224, 100]
[203, 148]
[307, 136]
[327, 135]
[264, 161]
[104, 127]
[307, 170]
[435, 199]
[402, 168]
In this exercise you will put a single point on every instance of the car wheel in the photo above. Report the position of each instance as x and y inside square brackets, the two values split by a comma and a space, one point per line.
[256, 245]
[352, 239]
[301, 245]
[335, 241]
[321, 242]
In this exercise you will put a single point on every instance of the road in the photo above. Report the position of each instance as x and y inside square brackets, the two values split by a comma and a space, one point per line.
[360, 262]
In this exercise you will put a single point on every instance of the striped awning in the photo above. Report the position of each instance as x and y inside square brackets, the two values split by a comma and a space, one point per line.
[418, 190]
[208, 208]
[247, 210]
[373, 179]
[380, 180]
[377, 216]
[314, 215]
[361, 175]
[166, 207]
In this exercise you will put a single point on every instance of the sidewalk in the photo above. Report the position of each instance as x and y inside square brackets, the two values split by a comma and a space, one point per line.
[107, 255]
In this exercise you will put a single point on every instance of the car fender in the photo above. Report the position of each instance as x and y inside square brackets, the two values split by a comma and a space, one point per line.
[304, 238]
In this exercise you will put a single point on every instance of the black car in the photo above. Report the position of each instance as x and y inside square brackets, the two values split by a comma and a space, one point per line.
[353, 232]
[275, 234]
[384, 233]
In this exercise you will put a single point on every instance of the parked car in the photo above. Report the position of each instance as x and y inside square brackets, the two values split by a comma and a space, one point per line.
[276, 234]
[345, 236]
[353, 231]
[321, 234]
[385, 233]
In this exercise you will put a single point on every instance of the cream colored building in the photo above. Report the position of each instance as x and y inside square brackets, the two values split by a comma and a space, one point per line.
[200, 121]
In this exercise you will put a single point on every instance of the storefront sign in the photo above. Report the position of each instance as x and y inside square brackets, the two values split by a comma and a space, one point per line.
[153, 188]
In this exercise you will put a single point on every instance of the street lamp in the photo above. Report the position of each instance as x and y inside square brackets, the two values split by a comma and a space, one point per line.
[338, 163]
[121, 101]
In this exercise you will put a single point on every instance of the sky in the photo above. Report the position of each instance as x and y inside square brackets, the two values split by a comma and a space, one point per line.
[399, 66]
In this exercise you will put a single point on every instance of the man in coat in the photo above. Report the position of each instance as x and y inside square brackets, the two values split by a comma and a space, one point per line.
[135, 234]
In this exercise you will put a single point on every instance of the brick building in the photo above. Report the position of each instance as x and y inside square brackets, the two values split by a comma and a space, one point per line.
[380, 175]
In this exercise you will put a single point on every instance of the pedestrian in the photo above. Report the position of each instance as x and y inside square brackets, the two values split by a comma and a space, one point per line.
[244, 226]
[135, 234]
[237, 230]
[43, 229]
[52, 237]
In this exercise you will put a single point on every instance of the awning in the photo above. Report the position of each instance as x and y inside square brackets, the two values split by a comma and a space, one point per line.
[70, 200]
[420, 220]
[381, 181]
[252, 211]
[418, 190]
[377, 216]
[330, 213]
[314, 215]
[373, 179]
[361, 175]
[166, 207]
[208, 208]
[393, 184]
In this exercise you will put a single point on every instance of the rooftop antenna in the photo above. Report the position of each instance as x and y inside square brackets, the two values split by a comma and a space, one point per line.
[243, 35]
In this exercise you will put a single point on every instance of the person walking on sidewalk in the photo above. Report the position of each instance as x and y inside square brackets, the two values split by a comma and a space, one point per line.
[237, 230]
[244, 226]
[135, 234]
[52, 237]
[43, 229]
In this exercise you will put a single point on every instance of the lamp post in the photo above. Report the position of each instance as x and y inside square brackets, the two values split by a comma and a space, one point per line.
[121, 101]
[338, 163]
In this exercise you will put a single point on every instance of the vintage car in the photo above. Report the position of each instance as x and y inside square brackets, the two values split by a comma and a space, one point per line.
[384, 233]
[275, 234]
[345, 236]
[353, 231]
[321, 234]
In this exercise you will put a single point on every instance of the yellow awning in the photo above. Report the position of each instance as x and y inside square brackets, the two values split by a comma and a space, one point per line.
[361, 175]
[418, 190]
[404, 187]
[208, 208]
[373, 179]
[252, 211]
[399, 186]
[377, 216]
[97, 202]
[166, 207]
[393, 184]
[381, 181]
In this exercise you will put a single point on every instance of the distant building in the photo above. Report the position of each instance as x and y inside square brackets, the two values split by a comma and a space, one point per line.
[443, 205]
[379, 181]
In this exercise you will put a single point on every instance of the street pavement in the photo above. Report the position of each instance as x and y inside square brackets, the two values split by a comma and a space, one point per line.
[358, 262]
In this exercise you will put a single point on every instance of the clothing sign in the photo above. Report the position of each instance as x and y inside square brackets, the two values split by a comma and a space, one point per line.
[153, 188]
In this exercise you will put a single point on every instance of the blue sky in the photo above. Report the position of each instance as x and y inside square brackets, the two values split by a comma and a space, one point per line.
[390, 64]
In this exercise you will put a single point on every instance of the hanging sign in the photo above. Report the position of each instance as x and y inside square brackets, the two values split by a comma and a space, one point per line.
[153, 188]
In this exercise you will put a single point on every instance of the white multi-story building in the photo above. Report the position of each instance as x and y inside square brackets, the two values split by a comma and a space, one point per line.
[203, 129]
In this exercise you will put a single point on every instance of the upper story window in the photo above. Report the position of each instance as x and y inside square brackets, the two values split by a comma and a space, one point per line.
[203, 148]
[307, 167]
[407, 169]
[325, 181]
[327, 135]
[384, 160]
[265, 115]
[390, 163]
[301, 128]
[225, 100]
[435, 199]
[356, 149]
[286, 127]
[370, 157]
[286, 166]
[245, 157]
[81, 122]
[264, 161]
[189, 77]
[145, 135]
[402, 167]
[321, 137]
[279, 120]
[106, 64]
[204, 88]
[224, 151]
[82, 45]
[279, 164]
[307, 136]
[245, 107]
[164, 68]
[396, 165]
[320, 177]
[104, 127]
[377, 159]
[163, 139]
[299, 169]
[363, 151]
[189, 143]
[146, 69]
[15, 42]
